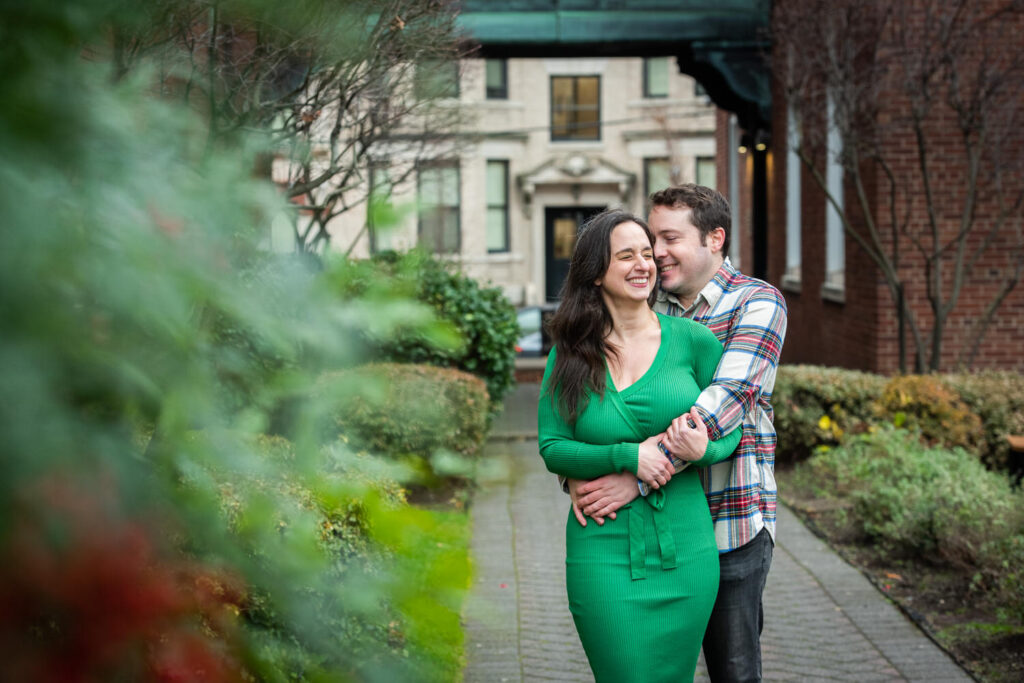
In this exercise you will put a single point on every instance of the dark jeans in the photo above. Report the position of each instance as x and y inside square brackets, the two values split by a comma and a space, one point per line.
[732, 643]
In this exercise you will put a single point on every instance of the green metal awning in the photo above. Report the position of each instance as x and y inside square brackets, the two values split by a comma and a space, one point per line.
[722, 44]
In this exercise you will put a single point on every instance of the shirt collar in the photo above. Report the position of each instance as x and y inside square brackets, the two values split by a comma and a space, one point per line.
[711, 292]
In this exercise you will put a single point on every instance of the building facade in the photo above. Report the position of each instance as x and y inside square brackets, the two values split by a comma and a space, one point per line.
[551, 141]
[842, 309]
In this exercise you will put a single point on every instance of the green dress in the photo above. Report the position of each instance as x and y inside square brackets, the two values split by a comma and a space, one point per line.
[642, 586]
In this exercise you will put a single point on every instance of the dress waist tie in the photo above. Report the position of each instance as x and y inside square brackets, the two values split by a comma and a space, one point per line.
[662, 530]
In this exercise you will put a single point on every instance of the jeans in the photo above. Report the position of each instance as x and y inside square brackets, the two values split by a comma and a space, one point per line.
[732, 642]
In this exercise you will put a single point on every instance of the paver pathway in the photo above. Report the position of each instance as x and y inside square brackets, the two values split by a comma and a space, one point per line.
[824, 619]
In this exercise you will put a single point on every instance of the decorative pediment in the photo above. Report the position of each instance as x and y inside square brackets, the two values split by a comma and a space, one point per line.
[576, 169]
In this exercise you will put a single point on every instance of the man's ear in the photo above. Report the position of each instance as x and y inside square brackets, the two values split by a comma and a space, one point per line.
[716, 238]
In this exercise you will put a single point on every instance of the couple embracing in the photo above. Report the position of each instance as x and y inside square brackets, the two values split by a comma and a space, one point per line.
[655, 412]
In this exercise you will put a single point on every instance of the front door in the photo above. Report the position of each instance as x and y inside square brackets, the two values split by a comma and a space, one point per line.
[561, 225]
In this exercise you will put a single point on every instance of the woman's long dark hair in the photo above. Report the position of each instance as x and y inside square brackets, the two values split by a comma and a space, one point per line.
[582, 321]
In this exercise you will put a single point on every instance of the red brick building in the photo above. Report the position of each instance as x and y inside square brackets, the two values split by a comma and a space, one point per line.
[841, 309]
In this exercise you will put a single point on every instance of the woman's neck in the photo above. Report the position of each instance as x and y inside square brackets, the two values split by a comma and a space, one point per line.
[631, 322]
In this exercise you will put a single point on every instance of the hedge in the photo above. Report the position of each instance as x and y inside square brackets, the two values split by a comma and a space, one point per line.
[409, 409]
[818, 406]
[478, 330]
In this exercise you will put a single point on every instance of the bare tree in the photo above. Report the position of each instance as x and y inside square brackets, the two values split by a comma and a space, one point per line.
[946, 76]
[335, 99]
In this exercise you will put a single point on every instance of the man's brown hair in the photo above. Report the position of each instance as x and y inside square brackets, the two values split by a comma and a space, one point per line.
[708, 208]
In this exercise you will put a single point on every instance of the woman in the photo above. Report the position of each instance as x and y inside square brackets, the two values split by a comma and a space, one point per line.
[641, 587]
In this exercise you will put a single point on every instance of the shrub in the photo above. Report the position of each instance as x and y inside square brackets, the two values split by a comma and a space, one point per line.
[399, 409]
[915, 499]
[1003, 573]
[998, 399]
[482, 319]
[816, 406]
[926, 404]
[124, 306]
[349, 510]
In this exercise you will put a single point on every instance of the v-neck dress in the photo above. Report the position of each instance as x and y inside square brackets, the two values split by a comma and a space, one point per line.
[641, 587]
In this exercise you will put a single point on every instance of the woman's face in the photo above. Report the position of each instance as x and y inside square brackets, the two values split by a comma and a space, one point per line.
[631, 271]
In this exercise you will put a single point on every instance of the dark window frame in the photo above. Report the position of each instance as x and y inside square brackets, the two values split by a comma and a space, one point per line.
[647, 82]
[497, 93]
[574, 125]
[504, 206]
[440, 163]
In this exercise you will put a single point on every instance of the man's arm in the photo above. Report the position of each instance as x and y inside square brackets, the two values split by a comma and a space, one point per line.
[751, 353]
[602, 497]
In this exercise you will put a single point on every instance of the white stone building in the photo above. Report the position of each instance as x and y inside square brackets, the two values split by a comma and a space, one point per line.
[560, 138]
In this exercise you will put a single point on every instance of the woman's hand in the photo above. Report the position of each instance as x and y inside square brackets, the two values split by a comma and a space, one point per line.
[653, 468]
[686, 442]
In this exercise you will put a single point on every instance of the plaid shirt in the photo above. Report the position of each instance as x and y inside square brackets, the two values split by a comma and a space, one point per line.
[749, 317]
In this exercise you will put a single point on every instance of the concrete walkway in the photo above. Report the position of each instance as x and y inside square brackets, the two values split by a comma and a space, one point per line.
[824, 621]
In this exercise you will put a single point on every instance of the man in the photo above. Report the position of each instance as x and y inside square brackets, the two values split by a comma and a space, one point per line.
[690, 224]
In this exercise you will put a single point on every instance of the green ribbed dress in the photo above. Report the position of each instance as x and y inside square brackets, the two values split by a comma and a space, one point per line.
[642, 586]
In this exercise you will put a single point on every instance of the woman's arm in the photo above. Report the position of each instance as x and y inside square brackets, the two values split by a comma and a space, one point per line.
[563, 454]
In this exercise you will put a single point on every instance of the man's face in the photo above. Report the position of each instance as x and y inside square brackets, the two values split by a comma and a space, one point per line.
[685, 265]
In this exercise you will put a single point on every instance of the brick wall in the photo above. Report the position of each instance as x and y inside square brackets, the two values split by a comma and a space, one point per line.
[862, 331]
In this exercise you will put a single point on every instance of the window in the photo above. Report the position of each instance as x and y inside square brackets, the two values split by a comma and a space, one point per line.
[497, 79]
[575, 108]
[379, 213]
[835, 240]
[791, 277]
[657, 175]
[497, 206]
[439, 207]
[705, 172]
[656, 77]
[436, 79]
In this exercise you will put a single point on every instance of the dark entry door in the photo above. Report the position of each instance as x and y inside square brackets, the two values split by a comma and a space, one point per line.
[561, 225]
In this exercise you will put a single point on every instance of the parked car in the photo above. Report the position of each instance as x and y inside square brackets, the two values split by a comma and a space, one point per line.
[534, 340]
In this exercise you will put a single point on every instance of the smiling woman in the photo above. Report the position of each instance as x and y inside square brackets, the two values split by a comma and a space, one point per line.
[618, 377]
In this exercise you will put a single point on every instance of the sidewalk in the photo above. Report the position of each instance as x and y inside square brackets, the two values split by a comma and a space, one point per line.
[823, 619]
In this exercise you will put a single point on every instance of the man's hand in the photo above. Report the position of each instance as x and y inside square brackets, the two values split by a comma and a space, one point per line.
[687, 437]
[574, 485]
[601, 497]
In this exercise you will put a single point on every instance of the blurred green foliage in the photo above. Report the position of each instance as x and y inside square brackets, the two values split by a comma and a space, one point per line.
[446, 409]
[481, 331]
[148, 527]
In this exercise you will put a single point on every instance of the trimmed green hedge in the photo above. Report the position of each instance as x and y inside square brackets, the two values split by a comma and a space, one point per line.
[409, 409]
[818, 406]
[478, 330]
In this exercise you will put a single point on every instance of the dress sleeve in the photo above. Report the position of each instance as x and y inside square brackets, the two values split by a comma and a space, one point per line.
[566, 456]
[707, 354]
